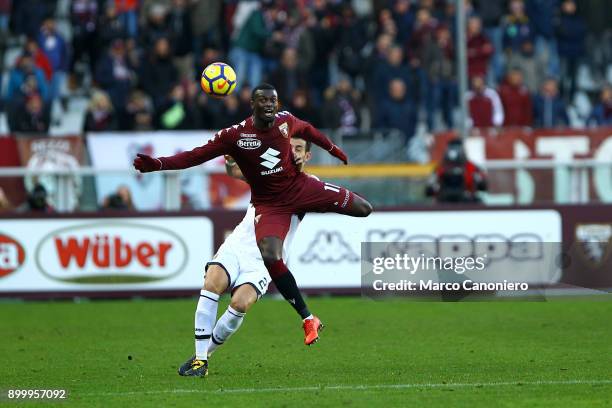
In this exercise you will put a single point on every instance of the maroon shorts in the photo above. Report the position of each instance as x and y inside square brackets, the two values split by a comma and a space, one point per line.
[311, 195]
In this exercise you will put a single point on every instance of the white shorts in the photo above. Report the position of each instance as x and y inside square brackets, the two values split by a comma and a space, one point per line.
[243, 265]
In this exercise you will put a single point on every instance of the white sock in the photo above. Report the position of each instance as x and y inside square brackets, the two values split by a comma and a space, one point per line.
[227, 324]
[309, 317]
[205, 316]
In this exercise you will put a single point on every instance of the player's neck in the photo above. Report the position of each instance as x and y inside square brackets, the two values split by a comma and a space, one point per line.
[260, 124]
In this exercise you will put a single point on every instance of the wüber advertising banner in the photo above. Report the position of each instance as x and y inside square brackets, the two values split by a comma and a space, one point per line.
[104, 254]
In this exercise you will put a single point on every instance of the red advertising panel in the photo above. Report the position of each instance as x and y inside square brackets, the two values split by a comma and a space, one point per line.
[562, 145]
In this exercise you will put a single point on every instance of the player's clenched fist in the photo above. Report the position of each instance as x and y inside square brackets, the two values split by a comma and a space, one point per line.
[144, 163]
[337, 152]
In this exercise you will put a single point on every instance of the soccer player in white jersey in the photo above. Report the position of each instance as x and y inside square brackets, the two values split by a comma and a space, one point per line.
[237, 265]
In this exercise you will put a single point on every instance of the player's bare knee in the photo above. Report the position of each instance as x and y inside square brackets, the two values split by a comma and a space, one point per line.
[241, 305]
[243, 298]
[271, 249]
[216, 279]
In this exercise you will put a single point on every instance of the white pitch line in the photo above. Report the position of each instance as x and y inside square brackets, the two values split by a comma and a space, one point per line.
[352, 387]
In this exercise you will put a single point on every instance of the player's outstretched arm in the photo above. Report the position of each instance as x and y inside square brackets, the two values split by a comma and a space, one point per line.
[312, 134]
[183, 160]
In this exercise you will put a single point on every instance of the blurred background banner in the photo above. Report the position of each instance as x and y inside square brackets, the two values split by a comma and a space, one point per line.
[530, 184]
[329, 250]
[529, 144]
[9, 157]
[47, 255]
[111, 151]
[64, 153]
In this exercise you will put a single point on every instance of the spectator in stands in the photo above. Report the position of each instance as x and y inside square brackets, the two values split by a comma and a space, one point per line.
[84, 21]
[404, 17]
[486, 109]
[602, 112]
[158, 73]
[176, 113]
[32, 117]
[341, 108]
[100, 114]
[516, 27]
[156, 26]
[207, 110]
[398, 111]
[423, 34]
[54, 46]
[393, 67]
[5, 204]
[491, 13]
[119, 200]
[40, 58]
[479, 48]
[542, 14]
[5, 14]
[139, 112]
[516, 100]
[28, 15]
[181, 35]
[230, 113]
[321, 25]
[532, 66]
[353, 37]
[248, 46]
[114, 74]
[456, 179]
[110, 29]
[26, 78]
[548, 108]
[37, 201]
[571, 34]
[298, 37]
[439, 62]
[302, 108]
[127, 10]
[205, 22]
[288, 78]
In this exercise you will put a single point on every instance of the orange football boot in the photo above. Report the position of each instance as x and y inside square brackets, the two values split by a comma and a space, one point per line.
[311, 330]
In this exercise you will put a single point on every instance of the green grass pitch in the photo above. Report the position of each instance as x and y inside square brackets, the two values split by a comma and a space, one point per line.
[383, 353]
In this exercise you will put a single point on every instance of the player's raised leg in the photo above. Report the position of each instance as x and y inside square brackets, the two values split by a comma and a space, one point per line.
[243, 297]
[358, 206]
[270, 231]
[215, 283]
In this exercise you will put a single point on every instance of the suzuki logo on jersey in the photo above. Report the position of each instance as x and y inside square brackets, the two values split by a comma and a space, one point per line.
[249, 144]
[270, 158]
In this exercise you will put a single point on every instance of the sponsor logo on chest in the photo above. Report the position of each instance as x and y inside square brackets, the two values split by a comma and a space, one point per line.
[249, 144]
[248, 135]
[270, 160]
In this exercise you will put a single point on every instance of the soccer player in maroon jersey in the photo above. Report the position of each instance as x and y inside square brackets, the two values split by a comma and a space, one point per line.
[261, 148]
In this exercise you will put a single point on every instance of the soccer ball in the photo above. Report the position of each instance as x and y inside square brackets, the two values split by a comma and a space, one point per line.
[218, 79]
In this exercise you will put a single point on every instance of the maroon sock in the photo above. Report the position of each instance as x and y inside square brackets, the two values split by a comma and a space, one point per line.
[286, 285]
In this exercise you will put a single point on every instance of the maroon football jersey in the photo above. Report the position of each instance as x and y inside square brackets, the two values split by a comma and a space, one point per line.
[264, 155]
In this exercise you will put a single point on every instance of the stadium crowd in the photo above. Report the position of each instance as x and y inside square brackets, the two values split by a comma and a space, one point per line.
[339, 64]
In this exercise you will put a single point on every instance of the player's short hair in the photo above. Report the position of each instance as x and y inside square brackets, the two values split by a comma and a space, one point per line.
[262, 87]
[308, 142]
